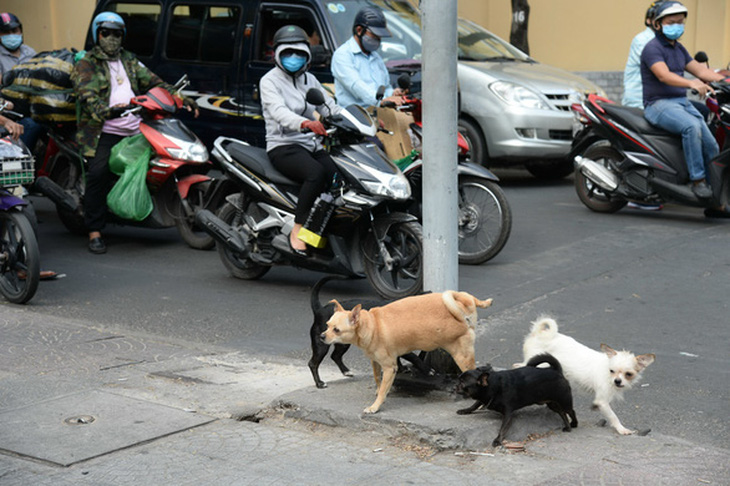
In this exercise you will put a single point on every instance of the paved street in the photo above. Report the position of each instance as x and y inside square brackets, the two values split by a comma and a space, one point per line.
[155, 321]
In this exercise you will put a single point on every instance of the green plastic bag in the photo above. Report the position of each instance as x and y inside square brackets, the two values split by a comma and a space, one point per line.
[130, 198]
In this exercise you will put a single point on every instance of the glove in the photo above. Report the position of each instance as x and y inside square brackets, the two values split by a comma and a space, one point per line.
[116, 111]
[190, 103]
[315, 127]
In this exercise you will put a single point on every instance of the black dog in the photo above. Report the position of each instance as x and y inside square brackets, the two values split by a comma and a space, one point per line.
[322, 314]
[510, 390]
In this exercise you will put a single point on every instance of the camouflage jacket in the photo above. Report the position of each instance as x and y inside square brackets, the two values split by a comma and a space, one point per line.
[90, 79]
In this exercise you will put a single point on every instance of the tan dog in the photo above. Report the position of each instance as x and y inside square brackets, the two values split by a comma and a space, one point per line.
[423, 322]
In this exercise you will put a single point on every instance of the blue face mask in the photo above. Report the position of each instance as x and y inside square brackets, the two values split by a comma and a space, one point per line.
[673, 31]
[12, 41]
[293, 62]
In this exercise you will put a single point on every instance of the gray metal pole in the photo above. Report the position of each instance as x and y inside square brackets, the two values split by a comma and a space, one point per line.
[440, 203]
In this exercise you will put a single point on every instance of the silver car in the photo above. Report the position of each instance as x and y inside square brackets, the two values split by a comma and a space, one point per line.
[515, 111]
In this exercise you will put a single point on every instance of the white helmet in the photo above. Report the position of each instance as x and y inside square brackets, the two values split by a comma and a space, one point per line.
[669, 8]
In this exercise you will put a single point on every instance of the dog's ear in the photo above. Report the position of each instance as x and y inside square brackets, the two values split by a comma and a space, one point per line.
[483, 379]
[645, 360]
[355, 315]
[610, 352]
[338, 307]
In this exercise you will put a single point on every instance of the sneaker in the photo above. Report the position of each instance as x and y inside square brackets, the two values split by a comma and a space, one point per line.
[702, 190]
[97, 246]
[644, 206]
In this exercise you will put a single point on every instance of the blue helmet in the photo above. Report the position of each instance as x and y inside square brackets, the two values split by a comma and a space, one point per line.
[107, 20]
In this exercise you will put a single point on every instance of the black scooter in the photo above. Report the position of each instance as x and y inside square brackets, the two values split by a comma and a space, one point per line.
[620, 157]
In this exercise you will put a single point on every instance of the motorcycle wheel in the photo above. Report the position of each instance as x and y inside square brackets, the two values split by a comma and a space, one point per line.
[67, 176]
[243, 268]
[404, 243]
[20, 265]
[192, 235]
[485, 220]
[589, 193]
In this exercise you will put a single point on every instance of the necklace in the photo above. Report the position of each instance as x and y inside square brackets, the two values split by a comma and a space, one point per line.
[115, 72]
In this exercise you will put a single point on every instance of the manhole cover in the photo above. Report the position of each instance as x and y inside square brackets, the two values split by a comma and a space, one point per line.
[78, 427]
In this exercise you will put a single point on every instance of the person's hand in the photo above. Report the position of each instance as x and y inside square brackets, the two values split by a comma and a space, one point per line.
[14, 129]
[701, 88]
[315, 127]
[117, 110]
[191, 106]
[396, 100]
[400, 92]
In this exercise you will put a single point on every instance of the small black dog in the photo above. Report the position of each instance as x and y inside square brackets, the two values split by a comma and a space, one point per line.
[322, 314]
[510, 390]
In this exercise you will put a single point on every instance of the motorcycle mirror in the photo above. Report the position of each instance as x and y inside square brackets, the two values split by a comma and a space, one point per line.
[404, 82]
[315, 97]
[701, 56]
[380, 93]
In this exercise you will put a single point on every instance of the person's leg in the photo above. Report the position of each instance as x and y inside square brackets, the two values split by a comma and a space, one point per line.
[98, 183]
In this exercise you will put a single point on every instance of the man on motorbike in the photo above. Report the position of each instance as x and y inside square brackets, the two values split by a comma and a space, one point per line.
[356, 66]
[633, 94]
[104, 81]
[289, 118]
[663, 62]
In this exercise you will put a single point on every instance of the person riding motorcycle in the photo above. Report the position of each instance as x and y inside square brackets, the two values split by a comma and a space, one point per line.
[289, 118]
[663, 62]
[104, 81]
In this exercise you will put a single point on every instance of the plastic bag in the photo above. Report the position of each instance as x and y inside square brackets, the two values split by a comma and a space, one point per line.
[130, 198]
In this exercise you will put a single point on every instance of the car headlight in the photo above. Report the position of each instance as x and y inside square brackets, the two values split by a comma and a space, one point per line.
[395, 187]
[516, 95]
[188, 151]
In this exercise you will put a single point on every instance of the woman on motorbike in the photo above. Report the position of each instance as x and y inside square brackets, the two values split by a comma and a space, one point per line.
[289, 119]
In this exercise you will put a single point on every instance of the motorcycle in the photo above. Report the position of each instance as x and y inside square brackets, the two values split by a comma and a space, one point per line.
[485, 218]
[620, 157]
[368, 234]
[19, 253]
[175, 178]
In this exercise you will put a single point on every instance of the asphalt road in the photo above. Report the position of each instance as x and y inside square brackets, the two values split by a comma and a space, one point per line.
[645, 282]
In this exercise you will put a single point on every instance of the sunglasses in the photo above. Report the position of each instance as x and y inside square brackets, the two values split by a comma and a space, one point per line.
[107, 32]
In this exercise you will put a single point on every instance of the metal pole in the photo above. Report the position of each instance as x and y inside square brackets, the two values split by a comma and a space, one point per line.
[440, 202]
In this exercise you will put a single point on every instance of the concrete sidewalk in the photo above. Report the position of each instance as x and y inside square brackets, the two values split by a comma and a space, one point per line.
[82, 405]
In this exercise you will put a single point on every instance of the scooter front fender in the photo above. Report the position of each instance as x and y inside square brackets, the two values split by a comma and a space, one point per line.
[382, 223]
[475, 170]
[8, 201]
[184, 184]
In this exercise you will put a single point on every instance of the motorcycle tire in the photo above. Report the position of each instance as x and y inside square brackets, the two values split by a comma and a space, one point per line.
[239, 267]
[404, 243]
[20, 267]
[67, 176]
[589, 193]
[485, 220]
[195, 237]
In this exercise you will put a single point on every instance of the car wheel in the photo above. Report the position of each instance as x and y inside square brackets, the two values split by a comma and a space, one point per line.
[477, 146]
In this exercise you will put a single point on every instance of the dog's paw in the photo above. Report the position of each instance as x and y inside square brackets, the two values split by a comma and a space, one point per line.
[348, 373]
[321, 385]
[370, 410]
[625, 431]
[463, 411]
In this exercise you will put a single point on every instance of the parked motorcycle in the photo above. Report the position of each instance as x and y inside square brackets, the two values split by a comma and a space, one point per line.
[19, 253]
[620, 157]
[368, 234]
[175, 178]
[485, 218]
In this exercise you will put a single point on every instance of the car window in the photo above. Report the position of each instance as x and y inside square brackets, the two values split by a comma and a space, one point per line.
[202, 33]
[478, 44]
[141, 21]
[272, 18]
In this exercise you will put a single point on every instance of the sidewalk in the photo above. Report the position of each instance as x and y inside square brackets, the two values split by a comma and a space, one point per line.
[81, 405]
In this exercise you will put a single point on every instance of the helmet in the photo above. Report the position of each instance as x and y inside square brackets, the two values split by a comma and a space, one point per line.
[669, 8]
[107, 20]
[651, 11]
[373, 19]
[9, 22]
[290, 34]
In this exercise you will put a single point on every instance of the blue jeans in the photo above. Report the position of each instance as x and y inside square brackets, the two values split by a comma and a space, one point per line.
[678, 116]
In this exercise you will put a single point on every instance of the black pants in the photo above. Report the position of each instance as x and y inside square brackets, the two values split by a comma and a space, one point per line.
[99, 181]
[314, 169]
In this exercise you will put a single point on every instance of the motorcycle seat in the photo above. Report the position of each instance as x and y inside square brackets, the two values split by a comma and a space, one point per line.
[256, 160]
[634, 118]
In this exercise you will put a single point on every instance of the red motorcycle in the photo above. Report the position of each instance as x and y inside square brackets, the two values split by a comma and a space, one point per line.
[176, 177]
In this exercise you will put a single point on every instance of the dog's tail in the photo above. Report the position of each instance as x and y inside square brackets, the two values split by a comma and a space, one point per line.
[316, 304]
[544, 327]
[545, 358]
[463, 306]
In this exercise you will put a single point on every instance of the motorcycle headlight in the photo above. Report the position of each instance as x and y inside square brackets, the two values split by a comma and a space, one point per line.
[188, 151]
[395, 186]
[516, 95]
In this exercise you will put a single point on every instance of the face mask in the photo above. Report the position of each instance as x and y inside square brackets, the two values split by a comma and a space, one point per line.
[110, 45]
[293, 62]
[12, 41]
[673, 31]
[369, 44]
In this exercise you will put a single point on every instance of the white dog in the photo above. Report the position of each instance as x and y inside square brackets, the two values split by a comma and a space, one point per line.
[607, 373]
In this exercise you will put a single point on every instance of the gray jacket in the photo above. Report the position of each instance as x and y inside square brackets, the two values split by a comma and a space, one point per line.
[283, 98]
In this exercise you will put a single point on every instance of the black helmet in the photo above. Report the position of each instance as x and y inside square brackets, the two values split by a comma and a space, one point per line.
[290, 34]
[372, 19]
[651, 11]
[9, 22]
